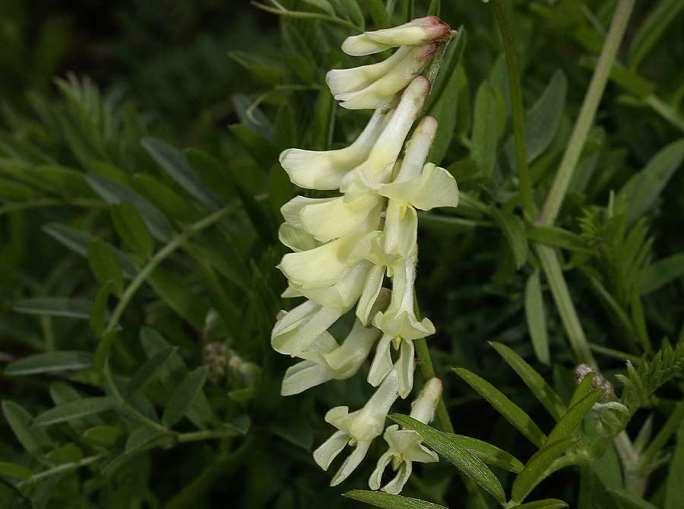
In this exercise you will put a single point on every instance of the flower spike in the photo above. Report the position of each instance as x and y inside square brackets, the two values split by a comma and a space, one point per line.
[346, 247]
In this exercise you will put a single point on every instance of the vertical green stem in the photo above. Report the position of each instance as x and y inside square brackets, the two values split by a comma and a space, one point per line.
[427, 369]
[587, 113]
[503, 23]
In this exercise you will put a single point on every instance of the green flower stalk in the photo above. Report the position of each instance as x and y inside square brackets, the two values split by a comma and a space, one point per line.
[347, 247]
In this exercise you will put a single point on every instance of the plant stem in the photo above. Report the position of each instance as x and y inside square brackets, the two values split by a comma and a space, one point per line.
[427, 369]
[517, 108]
[587, 113]
[108, 335]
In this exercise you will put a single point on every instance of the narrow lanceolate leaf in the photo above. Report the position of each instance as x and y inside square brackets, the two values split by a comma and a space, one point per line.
[14, 471]
[387, 501]
[150, 369]
[185, 394]
[544, 117]
[488, 123]
[627, 500]
[467, 462]
[571, 420]
[174, 163]
[131, 227]
[33, 439]
[662, 272]
[536, 317]
[75, 409]
[514, 231]
[536, 383]
[547, 503]
[55, 306]
[50, 362]
[674, 489]
[643, 189]
[105, 266]
[537, 468]
[487, 452]
[509, 410]
[659, 18]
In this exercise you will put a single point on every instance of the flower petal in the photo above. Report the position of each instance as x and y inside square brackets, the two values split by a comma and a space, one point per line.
[417, 31]
[375, 479]
[382, 362]
[395, 486]
[435, 187]
[350, 464]
[324, 169]
[382, 92]
[328, 450]
[334, 218]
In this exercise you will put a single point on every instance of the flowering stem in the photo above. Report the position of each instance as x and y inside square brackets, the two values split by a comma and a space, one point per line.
[587, 113]
[427, 369]
[517, 109]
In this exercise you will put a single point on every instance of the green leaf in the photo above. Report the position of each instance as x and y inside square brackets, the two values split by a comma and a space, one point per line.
[489, 119]
[116, 194]
[674, 487]
[627, 500]
[535, 313]
[544, 117]
[267, 69]
[661, 273]
[184, 396]
[467, 462]
[536, 468]
[79, 242]
[33, 439]
[105, 266]
[514, 230]
[487, 452]
[652, 28]
[50, 362]
[534, 381]
[102, 436]
[566, 426]
[14, 471]
[55, 306]
[150, 369]
[509, 410]
[176, 166]
[387, 501]
[131, 227]
[643, 189]
[555, 236]
[75, 410]
[547, 503]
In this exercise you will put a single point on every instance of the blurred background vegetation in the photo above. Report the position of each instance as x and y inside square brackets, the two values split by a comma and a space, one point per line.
[87, 206]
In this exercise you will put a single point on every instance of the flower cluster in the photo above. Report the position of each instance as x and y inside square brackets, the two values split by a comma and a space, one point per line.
[346, 246]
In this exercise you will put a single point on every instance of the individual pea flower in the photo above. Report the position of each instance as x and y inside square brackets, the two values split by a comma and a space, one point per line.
[405, 446]
[326, 360]
[416, 32]
[357, 429]
[376, 85]
[323, 170]
[400, 327]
